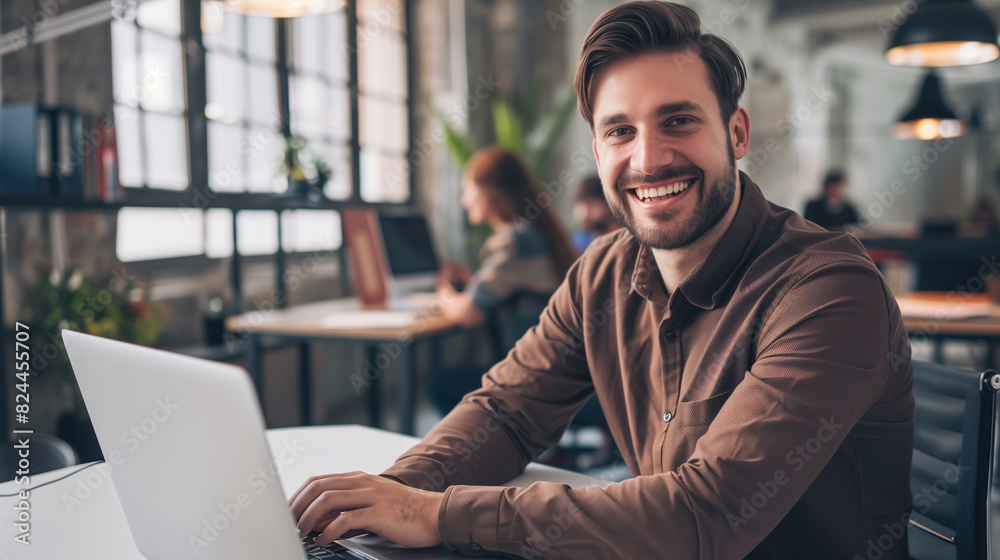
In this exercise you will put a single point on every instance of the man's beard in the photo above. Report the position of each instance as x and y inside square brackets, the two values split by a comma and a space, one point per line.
[713, 204]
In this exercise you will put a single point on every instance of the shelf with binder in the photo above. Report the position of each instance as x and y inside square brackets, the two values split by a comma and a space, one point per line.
[57, 154]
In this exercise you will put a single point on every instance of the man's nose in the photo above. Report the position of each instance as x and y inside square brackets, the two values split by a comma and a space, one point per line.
[651, 152]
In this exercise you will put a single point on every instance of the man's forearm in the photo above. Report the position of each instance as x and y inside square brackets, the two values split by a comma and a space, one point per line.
[470, 446]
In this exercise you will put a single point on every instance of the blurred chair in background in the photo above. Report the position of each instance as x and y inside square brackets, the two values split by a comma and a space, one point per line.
[952, 459]
[47, 453]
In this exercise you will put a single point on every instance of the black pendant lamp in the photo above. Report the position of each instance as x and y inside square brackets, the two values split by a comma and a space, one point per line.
[930, 117]
[944, 33]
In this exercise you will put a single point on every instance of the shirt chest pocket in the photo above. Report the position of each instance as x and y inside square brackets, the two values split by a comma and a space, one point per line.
[701, 413]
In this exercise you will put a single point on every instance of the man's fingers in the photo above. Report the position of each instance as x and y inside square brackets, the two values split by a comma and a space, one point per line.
[354, 520]
[318, 477]
[316, 485]
[332, 502]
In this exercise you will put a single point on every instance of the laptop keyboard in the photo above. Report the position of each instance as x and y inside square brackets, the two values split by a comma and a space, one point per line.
[332, 551]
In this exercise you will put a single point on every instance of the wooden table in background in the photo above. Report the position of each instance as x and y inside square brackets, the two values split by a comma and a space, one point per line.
[939, 316]
[342, 320]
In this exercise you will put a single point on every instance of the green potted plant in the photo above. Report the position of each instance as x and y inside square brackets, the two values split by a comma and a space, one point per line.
[123, 310]
[307, 171]
[534, 143]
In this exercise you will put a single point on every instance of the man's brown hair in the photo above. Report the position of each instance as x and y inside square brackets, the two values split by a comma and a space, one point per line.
[645, 27]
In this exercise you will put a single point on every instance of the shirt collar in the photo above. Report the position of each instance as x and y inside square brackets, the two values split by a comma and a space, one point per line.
[707, 286]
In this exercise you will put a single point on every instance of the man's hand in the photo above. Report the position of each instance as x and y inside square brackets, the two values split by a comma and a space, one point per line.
[408, 516]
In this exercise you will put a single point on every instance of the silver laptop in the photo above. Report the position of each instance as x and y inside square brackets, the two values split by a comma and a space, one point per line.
[209, 440]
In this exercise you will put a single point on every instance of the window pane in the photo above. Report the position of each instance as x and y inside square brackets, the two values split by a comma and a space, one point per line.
[382, 66]
[383, 178]
[264, 149]
[225, 165]
[218, 233]
[166, 151]
[124, 63]
[378, 15]
[309, 43]
[260, 39]
[310, 230]
[383, 125]
[338, 156]
[162, 15]
[336, 54]
[229, 37]
[309, 103]
[157, 233]
[226, 77]
[263, 90]
[257, 232]
[129, 146]
[162, 77]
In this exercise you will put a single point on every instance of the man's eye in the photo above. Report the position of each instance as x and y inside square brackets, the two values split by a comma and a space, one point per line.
[680, 121]
[618, 131]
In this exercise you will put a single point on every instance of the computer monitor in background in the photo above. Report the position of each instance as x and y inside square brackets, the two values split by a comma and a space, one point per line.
[413, 264]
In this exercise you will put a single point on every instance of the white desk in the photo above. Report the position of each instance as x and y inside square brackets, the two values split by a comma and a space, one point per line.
[94, 527]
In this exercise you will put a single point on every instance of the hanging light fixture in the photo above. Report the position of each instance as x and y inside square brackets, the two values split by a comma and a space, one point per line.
[930, 117]
[281, 8]
[944, 33]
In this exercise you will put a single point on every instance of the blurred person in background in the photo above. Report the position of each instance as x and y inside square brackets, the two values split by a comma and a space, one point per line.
[528, 252]
[591, 211]
[832, 211]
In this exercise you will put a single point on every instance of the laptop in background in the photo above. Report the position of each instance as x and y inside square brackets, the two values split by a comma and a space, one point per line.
[413, 263]
[392, 259]
[184, 438]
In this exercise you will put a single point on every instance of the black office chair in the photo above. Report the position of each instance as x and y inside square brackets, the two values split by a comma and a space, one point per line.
[952, 461]
[47, 453]
[507, 322]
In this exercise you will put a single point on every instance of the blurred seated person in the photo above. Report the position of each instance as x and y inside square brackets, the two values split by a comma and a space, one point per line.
[984, 221]
[529, 252]
[591, 211]
[832, 211]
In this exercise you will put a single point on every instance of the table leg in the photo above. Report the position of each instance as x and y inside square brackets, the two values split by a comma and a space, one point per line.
[305, 377]
[374, 392]
[407, 390]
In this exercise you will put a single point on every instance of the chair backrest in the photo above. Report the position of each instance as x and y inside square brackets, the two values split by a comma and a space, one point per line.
[48, 453]
[511, 318]
[950, 476]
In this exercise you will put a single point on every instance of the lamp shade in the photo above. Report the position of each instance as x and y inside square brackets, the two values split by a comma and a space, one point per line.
[944, 33]
[281, 8]
[930, 117]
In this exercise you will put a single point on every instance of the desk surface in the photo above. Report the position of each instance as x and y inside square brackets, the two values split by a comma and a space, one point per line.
[950, 313]
[80, 517]
[340, 318]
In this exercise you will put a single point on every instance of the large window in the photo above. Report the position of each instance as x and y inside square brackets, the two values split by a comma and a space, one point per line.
[244, 65]
[319, 85]
[245, 145]
[382, 102]
[148, 76]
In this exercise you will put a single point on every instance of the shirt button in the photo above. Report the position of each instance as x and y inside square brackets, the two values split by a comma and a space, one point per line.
[475, 547]
[669, 336]
[667, 416]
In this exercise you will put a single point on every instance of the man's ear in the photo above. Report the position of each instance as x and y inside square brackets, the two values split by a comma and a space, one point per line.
[739, 132]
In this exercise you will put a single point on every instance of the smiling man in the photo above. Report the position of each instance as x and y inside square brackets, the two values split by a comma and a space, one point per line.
[753, 367]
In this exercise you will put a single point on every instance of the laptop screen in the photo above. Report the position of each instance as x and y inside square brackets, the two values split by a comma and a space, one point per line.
[408, 245]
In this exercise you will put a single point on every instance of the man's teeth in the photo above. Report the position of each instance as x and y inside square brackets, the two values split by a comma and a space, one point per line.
[658, 192]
